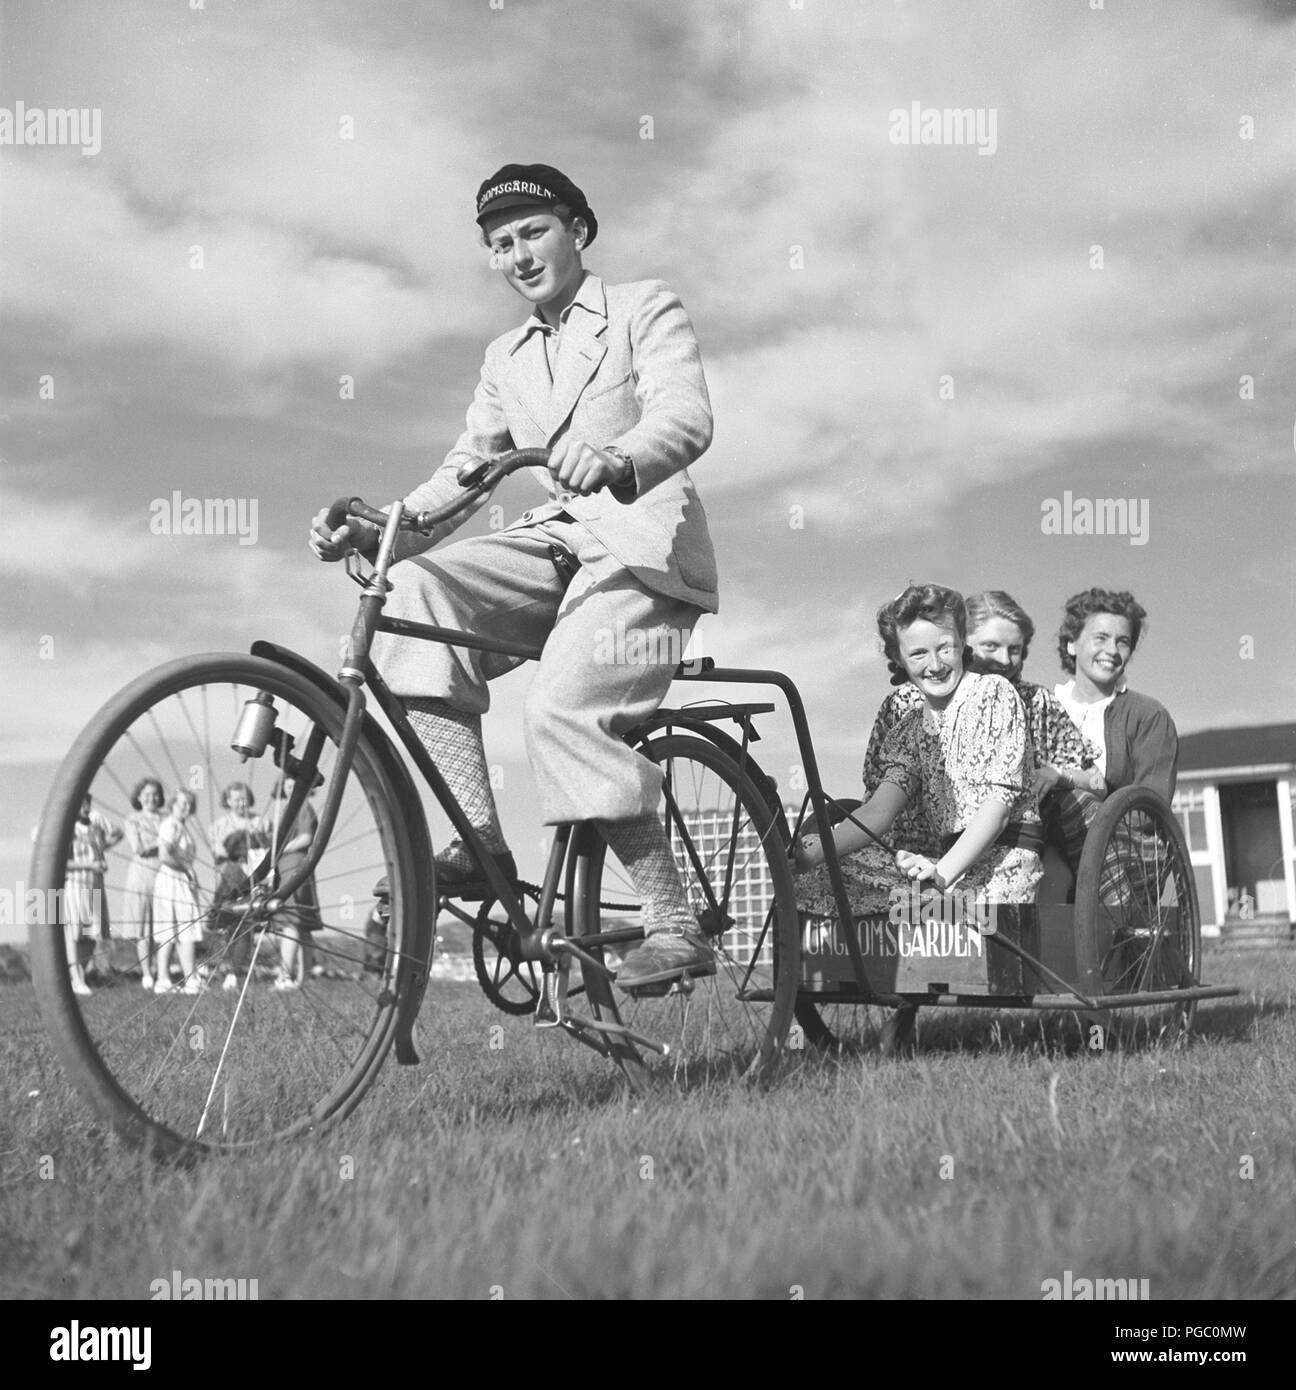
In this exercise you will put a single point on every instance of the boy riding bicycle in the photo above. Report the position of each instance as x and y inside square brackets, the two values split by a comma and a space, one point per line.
[609, 379]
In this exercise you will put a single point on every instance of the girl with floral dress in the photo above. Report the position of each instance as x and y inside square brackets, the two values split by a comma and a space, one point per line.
[962, 754]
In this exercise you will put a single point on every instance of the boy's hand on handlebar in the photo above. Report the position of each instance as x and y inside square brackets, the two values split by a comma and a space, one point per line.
[580, 467]
[330, 545]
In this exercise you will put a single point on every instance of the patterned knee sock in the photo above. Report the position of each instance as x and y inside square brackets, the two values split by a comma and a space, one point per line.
[645, 854]
[454, 740]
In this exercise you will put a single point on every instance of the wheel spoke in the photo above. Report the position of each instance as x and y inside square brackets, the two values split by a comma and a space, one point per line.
[1137, 922]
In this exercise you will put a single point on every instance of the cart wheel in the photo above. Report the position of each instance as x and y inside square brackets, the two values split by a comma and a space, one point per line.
[1136, 921]
[829, 1027]
[898, 1038]
[735, 871]
[208, 1065]
[815, 1028]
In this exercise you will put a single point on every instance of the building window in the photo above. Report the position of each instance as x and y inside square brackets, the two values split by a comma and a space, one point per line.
[1190, 807]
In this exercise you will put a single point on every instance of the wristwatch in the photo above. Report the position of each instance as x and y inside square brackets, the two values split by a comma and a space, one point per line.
[623, 458]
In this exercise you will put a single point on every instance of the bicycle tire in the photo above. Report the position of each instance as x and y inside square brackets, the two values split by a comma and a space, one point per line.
[223, 1069]
[1137, 921]
[734, 865]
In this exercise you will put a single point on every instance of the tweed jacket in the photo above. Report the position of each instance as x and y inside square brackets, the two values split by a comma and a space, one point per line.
[628, 373]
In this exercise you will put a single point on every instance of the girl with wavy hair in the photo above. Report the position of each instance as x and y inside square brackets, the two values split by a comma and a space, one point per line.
[961, 753]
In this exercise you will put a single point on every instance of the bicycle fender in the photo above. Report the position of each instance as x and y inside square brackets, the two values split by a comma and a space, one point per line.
[412, 974]
[704, 728]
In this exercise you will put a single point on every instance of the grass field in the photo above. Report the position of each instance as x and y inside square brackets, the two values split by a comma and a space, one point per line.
[1001, 1156]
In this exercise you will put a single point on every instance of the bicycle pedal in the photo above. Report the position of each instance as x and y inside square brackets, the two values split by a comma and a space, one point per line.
[465, 893]
[661, 989]
[658, 991]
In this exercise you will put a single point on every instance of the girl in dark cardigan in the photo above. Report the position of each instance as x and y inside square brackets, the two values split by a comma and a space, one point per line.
[1135, 738]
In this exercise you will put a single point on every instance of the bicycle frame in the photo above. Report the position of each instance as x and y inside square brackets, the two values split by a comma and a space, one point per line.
[536, 940]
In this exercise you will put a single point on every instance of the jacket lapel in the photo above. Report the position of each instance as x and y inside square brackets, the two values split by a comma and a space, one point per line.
[550, 403]
[582, 350]
[529, 378]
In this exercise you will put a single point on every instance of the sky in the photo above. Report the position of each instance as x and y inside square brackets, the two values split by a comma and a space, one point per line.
[915, 351]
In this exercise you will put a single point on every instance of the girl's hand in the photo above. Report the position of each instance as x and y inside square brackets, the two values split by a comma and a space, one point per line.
[1046, 778]
[915, 866]
[807, 853]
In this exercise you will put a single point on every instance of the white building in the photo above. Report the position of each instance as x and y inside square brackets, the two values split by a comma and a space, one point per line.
[1234, 800]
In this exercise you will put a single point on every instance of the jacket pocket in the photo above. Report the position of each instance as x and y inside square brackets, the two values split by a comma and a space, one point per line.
[600, 388]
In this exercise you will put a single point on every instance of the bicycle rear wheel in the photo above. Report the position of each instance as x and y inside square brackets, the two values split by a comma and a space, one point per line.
[734, 867]
[235, 1053]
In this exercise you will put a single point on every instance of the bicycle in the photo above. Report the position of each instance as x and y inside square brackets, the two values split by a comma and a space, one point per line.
[225, 1068]
[215, 1066]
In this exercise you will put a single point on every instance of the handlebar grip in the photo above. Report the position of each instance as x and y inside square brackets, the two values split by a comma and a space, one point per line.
[525, 458]
[346, 507]
[486, 472]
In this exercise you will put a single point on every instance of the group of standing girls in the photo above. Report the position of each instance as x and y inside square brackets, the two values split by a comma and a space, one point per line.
[978, 779]
[163, 911]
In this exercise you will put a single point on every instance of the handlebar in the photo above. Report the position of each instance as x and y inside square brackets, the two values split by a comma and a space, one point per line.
[481, 475]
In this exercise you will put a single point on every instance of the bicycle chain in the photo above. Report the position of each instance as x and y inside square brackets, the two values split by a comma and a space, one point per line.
[534, 890]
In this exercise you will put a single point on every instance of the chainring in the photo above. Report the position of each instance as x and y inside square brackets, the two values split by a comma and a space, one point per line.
[509, 982]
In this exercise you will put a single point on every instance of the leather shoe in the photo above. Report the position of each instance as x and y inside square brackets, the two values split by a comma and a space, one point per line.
[665, 955]
[459, 876]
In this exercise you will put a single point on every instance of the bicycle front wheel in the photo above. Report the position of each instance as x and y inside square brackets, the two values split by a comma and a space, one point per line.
[735, 871]
[277, 1016]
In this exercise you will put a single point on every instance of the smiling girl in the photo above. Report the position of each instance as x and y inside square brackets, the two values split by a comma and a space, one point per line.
[962, 752]
[1135, 738]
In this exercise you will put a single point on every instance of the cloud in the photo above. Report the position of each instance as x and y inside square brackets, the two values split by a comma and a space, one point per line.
[769, 151]
[233, 289]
